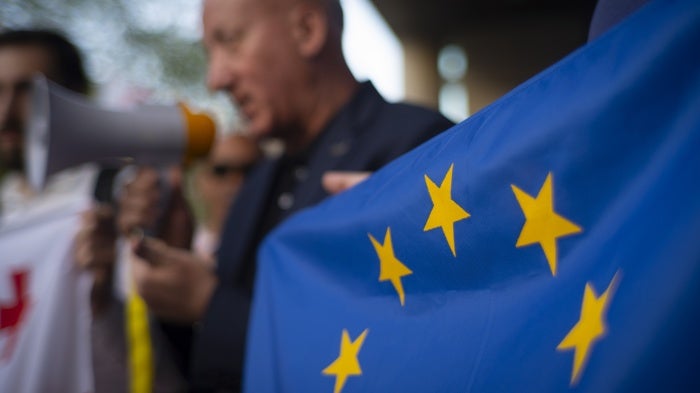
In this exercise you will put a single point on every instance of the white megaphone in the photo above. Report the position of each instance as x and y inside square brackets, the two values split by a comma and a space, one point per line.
[65, 129]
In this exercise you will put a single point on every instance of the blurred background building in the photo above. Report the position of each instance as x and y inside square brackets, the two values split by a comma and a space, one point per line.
[483, 47]
[456, 55]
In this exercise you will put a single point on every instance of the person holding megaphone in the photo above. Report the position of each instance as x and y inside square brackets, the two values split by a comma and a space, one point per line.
[24, 53]
[51, 137]
[282, 63]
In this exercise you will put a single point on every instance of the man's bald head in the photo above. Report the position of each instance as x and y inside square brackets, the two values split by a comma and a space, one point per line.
[281, 61]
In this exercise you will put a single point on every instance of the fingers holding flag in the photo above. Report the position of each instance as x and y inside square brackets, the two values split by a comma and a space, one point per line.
[335, 182]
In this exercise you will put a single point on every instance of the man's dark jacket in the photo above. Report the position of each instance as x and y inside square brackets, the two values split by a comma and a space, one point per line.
[366, 134]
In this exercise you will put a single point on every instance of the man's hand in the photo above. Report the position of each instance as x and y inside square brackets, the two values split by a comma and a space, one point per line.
[95, 250]
[139, 202]
[175, 284]
[146, 203]
[335, 182]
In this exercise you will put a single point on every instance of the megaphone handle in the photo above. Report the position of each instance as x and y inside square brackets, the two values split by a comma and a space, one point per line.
[103, 192]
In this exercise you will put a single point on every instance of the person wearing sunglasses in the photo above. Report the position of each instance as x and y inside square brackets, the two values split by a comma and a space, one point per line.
[216, 184]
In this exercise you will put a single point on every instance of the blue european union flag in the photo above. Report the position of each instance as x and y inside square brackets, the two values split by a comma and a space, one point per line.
[551, 242]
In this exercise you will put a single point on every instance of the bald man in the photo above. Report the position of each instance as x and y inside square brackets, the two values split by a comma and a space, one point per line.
[281, 61]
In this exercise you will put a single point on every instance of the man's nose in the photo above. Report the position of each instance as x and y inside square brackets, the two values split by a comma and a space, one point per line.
[220, 76]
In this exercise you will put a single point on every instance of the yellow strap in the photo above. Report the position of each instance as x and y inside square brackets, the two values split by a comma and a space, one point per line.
[139, 344]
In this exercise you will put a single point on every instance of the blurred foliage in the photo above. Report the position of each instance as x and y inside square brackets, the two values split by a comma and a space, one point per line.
[152, 46]
[182, 62]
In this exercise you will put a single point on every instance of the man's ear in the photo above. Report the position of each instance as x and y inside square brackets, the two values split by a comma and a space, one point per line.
[310, 29]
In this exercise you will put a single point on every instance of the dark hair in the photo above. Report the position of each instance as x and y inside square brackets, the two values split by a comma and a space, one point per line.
[335, 10]
[67, 62]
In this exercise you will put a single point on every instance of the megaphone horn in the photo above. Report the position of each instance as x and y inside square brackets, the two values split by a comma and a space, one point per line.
[65, 129]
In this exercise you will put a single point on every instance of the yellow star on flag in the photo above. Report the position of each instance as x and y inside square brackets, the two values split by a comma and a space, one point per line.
[590, 328]
[445, 210]
[346, 364]
[542, 224]
[390, 268]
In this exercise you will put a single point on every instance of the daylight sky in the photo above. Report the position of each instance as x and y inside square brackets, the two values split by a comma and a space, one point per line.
[371, 48]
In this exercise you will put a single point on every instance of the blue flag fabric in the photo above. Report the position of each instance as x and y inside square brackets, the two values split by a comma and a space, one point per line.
[551, 242]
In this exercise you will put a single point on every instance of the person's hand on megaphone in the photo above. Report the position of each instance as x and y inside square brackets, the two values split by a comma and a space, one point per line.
[138, 202]
[154, 204]
[175, 283]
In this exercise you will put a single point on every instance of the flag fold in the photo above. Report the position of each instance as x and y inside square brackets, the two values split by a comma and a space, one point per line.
[547, 243]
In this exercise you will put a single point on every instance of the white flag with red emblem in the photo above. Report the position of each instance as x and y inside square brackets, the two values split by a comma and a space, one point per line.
[44, 304]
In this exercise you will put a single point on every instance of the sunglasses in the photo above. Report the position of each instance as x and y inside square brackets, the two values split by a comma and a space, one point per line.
[223, 170]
